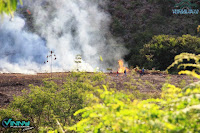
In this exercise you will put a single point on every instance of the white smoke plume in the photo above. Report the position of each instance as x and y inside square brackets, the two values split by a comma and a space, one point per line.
[69, 28]
[20, 51]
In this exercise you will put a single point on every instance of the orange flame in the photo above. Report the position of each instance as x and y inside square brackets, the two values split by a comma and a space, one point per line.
[121, 67]
[28, 12]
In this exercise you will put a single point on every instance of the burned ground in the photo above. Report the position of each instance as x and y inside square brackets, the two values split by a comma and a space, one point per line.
[13, 84]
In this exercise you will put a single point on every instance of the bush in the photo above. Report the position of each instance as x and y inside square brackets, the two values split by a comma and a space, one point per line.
[177, 111]
[162, 49]
[46, 106]
[83, 105]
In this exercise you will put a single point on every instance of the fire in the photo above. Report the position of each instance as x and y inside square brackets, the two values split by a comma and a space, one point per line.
[121, 67]
[28, 12]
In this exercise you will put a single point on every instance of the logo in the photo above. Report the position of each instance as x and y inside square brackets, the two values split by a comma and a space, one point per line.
[186, 7]
[9, 123]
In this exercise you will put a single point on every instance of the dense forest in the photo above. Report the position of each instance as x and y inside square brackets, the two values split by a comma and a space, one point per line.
[138, 21]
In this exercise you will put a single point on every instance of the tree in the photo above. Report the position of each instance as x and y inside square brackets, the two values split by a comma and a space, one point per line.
[162, 49]
[8, 6]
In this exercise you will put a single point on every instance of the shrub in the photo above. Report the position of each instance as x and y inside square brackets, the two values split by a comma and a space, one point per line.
[177, 111]
[162, 49]
[46, 106]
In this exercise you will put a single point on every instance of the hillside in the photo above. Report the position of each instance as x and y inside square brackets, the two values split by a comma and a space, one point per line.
[137, 21]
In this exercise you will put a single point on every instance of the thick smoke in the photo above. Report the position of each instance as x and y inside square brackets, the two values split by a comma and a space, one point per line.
[20, 51]
[69, 28]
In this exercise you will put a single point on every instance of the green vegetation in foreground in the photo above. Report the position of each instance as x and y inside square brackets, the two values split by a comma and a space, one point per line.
[87, 103]
[47, 104]
[176, 111]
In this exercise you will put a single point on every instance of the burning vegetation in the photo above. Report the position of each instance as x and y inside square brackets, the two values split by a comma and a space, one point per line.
[121, 67]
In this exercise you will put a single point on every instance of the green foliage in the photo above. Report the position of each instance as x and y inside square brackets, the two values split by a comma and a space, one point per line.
[82, 104]
[136, 22]
[182, 84]
[180, 62]
[46, 104]
[177, 111]
[158, 19]
[117, 27]
[8, 6]
[10, 113]
[187, 57]
[162, 49]
[51, 106]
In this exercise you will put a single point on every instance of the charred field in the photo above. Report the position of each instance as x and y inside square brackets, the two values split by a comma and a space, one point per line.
[149, 84]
